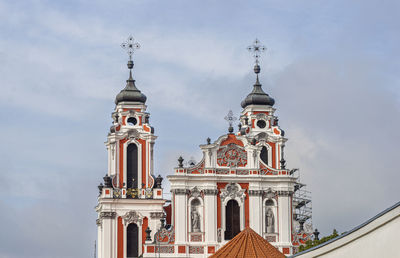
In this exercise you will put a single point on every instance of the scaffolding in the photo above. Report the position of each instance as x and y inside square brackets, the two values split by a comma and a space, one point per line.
[302, 206]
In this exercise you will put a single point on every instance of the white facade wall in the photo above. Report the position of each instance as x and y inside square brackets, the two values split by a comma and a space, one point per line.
[376, 238]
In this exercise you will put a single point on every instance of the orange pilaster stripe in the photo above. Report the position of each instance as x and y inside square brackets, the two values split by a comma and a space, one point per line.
[143, 143]
[120, 239]
[246, 204]
[144, 227]
[273, 145]
[121, 162]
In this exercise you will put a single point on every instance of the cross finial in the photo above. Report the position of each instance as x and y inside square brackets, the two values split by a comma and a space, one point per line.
[130, 45]
[230, 118]
[256, 49]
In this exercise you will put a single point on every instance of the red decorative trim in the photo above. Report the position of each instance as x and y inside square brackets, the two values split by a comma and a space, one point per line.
[144, 175]
[286, 250]
[181, 249]
[150, 249]
[121, 162]
[211, 249]
[246, 204]
[231, 139]
[273, 145]
[144, 227]
[120, 238]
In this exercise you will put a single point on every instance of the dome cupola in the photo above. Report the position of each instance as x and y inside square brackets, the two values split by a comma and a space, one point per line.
[257, 96]
[130, 93]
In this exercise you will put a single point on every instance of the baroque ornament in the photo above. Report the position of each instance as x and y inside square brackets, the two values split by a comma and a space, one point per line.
[231, 155]
[233, 191]
[195, 192]
[133, 217]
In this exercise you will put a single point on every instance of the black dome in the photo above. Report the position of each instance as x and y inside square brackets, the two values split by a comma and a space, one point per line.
[258, 97]
[130, 93]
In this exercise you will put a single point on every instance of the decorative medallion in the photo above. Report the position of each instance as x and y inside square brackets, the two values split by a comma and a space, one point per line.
[231, 155]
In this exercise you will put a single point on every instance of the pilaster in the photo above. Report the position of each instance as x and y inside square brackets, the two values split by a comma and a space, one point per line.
[210, 203]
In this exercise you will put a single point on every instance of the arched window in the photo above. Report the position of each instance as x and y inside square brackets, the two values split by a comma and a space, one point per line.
[132, 166]
[264, 155]
[232, 219]
[132, 238]
[195, 217]
[269, 217]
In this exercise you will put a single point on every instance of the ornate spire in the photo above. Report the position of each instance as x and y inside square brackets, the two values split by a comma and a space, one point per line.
[257, 96]
[130, 93]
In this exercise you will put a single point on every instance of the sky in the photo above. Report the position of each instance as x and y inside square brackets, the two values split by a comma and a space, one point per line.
[331, 66]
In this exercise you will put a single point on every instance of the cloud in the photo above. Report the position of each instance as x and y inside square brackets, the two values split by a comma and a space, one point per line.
[342, 130]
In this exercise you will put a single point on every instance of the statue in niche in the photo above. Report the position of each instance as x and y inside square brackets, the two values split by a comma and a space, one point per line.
[195, 218]
[269, 221]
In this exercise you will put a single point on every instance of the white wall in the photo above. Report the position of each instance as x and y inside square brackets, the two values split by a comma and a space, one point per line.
[377, 238]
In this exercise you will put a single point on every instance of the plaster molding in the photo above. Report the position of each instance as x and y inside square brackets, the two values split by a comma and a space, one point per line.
[233, 191]
[133, 217]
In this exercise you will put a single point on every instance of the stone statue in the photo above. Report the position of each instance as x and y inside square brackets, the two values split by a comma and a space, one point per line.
[195, 216]
[269, 221]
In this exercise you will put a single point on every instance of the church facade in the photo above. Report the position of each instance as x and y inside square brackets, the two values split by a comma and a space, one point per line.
[242, 181]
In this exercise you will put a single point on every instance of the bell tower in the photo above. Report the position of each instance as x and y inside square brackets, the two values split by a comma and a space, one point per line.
[130, 202]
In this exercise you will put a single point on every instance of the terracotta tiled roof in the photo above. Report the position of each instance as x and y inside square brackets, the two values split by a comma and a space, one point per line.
[248, 244]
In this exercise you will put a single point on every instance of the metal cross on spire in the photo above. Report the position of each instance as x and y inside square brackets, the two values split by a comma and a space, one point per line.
[130, 45]
[230, 118]
[256, 49]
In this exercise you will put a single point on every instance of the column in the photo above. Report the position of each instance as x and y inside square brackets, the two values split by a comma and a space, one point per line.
[256, 214]
[210, 204]
[107, 245]
[180, 215]
[285, 219]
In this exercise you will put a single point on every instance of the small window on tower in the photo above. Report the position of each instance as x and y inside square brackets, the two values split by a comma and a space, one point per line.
[261, 124]
[132, 121]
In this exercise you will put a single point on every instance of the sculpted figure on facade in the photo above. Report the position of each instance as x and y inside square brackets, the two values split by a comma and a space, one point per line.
[269, 221]
[195, 217]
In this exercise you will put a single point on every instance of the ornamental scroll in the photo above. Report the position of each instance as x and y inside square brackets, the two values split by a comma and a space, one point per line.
[231, 155]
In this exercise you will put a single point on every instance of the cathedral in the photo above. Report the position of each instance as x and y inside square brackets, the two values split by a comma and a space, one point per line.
[241, 182]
